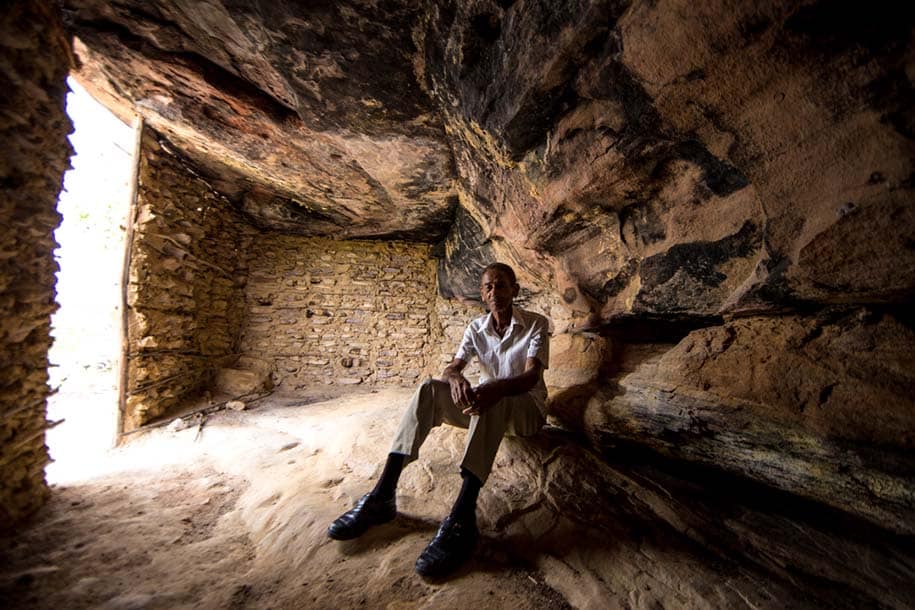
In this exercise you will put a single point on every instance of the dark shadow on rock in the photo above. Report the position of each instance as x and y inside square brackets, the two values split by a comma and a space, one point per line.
[567, 406]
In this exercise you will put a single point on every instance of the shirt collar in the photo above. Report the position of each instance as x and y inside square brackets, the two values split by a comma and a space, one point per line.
[517, 319]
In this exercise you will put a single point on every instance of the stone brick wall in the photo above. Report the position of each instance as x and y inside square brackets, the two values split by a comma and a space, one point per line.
[33, 129]
[332, 312]
[446, 332]
[186, 285]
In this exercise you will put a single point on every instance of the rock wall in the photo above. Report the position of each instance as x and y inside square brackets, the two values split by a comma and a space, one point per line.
[669, 169]
[33, 127]
[676, 160]
[186, 285]
[339, 313]
[345, 108]
[816, 404]
[446, 331]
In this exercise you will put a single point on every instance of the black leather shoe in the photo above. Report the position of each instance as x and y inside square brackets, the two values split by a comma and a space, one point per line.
[368, 511]
[452, 545]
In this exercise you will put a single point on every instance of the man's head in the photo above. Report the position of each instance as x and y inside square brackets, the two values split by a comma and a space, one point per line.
[499, 287]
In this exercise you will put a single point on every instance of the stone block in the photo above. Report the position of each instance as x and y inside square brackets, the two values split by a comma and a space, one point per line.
[238, 382]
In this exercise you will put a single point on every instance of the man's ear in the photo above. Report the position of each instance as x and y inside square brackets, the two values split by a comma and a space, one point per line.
[516, 289]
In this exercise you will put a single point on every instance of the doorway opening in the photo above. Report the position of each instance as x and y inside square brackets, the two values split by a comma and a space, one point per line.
[86, 352]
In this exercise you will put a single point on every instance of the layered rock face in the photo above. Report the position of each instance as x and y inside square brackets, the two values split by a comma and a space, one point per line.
[665, 159]
[33, 127]
[817, 405]
[309, 117]
[664, 167]
[712, 201]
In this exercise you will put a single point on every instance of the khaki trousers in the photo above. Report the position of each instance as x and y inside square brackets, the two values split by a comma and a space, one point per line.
[432, 405]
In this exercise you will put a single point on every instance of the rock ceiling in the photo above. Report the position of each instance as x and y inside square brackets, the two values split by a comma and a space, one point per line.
[310, 116]
[671, 159]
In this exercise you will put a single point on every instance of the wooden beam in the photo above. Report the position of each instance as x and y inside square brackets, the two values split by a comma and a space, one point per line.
[125, 274]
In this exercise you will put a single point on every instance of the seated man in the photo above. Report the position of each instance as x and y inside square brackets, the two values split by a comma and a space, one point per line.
[512, 346]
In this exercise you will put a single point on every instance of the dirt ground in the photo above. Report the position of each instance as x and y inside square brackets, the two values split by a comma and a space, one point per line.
[237, 518]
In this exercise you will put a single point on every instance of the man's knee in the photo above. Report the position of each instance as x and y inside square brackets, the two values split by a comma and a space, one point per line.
[430, 385]
[425, 393]
[426, 389]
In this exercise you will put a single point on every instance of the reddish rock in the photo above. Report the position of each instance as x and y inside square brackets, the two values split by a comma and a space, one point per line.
[817, 406]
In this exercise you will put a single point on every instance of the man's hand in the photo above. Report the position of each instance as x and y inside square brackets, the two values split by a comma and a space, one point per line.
[475, 401]
[461, 391]
[491, 392]
[484, 396]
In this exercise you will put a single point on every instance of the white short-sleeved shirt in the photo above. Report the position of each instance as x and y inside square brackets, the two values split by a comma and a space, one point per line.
[528, 336]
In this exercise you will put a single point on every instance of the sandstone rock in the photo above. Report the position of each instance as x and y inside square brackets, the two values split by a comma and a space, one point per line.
[816, 406]
[608, 151]
[316, 133]
[575, 359]
[258, 365]
[577, 516]
[612, 145]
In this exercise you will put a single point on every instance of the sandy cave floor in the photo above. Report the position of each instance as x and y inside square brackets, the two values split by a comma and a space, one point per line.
[237, 519]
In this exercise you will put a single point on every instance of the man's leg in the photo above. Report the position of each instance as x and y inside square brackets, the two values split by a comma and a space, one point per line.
[430, 406]
[514, 415]
[456, 538]
[386, 487]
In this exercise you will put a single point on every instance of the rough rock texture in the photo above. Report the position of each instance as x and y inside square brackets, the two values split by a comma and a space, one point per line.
[661, 164]
[312, 120]
[446, 331]
[819, 406]
[683, 160]
[651, 167]
[246, 376]
[606, 147]
[34, 59]
[624, 529]
[332, 312]
[186, 285]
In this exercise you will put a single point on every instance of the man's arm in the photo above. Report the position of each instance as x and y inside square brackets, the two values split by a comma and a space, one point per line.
[461, 390]
[491, 392]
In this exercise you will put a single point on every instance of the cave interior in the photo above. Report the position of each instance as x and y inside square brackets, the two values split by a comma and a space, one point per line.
[711, 202]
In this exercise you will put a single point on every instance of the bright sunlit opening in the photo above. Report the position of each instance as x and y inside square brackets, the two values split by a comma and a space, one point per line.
[85, 355]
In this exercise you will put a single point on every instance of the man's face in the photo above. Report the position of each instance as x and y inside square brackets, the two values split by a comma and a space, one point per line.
[497, 290]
